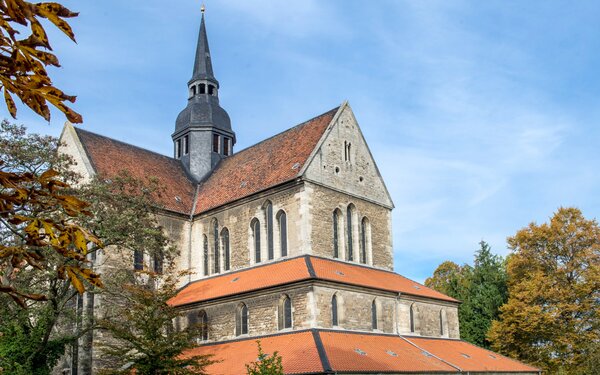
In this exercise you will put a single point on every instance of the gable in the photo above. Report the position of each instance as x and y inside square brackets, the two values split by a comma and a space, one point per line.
[342, 161]
[72, 146]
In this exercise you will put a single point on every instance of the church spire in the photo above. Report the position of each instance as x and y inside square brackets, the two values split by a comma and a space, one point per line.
[203, 134]
[203, 64]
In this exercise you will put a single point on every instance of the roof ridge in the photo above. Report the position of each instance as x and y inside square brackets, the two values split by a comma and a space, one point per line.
[78, 129]
[430, 353]
[322, 352]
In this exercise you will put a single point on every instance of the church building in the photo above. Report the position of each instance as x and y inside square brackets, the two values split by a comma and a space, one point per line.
[290, 243]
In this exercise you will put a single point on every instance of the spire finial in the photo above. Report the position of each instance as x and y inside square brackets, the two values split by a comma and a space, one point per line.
[202, 8]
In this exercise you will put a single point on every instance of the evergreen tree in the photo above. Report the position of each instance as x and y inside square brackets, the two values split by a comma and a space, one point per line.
[481, 288]
[486, 292]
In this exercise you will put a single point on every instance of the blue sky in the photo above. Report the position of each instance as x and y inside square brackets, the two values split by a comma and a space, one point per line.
[481, 115]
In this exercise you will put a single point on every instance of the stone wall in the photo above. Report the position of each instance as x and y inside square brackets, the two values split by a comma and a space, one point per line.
[262, 313]
[344, 162]
[354, 309]
[237, 219]
[427, 315]
[324, 201]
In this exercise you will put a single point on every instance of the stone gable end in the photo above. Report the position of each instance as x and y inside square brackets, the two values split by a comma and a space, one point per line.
[344, 162]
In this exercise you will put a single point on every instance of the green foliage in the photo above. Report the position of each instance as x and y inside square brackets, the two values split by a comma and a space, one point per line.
[140, 320]
[265, 364]
[552, 317]
[21, 352]
[482, 289]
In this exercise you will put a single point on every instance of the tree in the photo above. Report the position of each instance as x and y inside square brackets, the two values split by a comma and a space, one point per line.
[266, 364]
[481, 288]
[551, 319]
[451, 279]
[139, 319]
[32, 339]
[38, 217]
[23, 61]
[487, 291]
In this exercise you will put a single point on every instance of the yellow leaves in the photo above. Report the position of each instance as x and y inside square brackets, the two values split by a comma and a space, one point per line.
[23, 63]
[55, 12]
[10, 103]
[39, 235]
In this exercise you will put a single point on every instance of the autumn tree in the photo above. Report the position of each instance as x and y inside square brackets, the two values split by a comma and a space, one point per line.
[451, 279]
[552, 317]
[139, 319]
[265, 364]
[481, 288]
[121, 213]
[37, 217]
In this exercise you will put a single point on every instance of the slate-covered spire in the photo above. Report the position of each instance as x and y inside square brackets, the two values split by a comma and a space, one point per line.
[203, 63]
[203, 134]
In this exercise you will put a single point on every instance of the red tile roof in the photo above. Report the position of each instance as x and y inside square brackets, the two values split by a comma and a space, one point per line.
[109, 157]
[327, 351]
[299, 269]
[269, 163]
[351, 352]
[347, 273]
[298, 352]
[469, 357]
[255, 278]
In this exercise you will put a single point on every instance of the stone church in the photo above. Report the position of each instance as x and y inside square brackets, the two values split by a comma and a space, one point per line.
[290, 242]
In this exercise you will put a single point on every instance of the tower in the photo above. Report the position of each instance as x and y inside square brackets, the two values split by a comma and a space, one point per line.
[203, 134]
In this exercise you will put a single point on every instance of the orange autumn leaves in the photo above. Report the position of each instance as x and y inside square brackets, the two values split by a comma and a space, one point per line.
[23, 60]
[39, 217]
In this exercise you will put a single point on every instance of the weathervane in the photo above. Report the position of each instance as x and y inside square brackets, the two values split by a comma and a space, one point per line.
[202, 8]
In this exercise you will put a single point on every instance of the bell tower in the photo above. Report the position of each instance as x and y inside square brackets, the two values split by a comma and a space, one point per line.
[203, 134]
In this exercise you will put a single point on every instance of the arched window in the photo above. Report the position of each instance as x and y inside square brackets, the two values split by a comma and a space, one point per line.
[334, 311]
[365, 239]
[205, 255]
[203, 325]
[443, 322]
[374, 314]
[138, 260]
[157, 262]
[285, 312]
[336, 233]
[412, 317]
[350, 232]
[268, 207]
[255, 225]
[216, 255]
[192, 319]
[241, 320]
[225, 244]
[282, 224]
